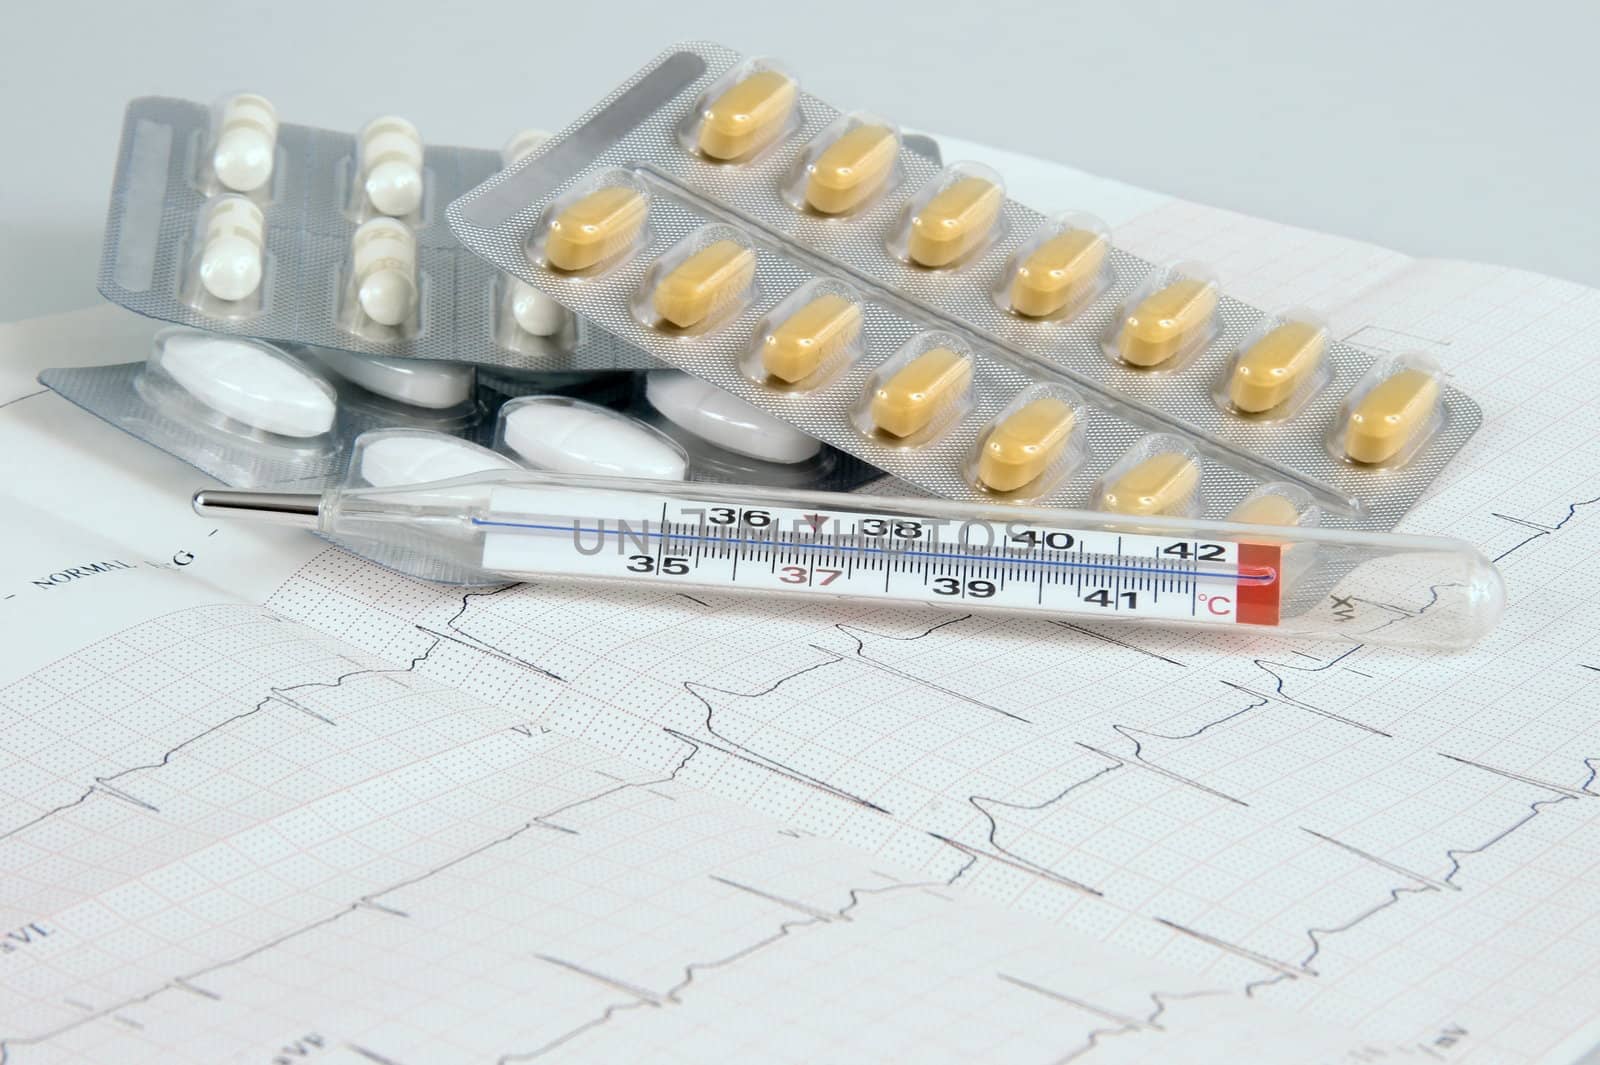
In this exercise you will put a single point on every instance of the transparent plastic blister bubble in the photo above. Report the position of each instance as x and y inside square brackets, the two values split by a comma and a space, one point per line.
[434, 395]
[227, 259]
[241, 147]
[1391, 414]
[1168, 320]
[1058, 325]
[1277, 369]
[530, 323]
[744, 111]
[382, 458]
[387, 174]
[222, 218]
[701, 282]
[846, 167]
[810, 337]
[381, 296]
[1035, 442]
[1277, 503]
[571, 436]
[248, 389]
[919, 392]
[952, 219]
[1159, 474]
[594, 226]
[1064, 265]
[729, 440]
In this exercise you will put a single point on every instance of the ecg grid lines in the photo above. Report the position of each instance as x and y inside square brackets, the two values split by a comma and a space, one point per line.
[512, 865]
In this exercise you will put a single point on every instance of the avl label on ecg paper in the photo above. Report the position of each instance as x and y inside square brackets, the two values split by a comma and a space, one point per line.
[590, 533]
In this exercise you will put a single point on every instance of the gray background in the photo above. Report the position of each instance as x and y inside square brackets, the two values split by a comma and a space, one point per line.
[1462, 129]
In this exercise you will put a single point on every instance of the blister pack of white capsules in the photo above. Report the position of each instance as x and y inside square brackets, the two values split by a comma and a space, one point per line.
[256, 415]
[222, 218]
[716, 215]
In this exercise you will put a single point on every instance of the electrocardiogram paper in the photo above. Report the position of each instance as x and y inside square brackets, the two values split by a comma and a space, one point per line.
[364, 864]
[1191, 846]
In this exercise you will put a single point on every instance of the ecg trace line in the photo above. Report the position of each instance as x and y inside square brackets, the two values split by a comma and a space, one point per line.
[185, 981]
[1151, 767]
[816, 918]
[856, 633]
[105, 784]
[1317, 936]
[1543, 530]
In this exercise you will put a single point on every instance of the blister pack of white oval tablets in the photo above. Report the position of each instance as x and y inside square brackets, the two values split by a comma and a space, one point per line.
[714, 214]
[255, 415]
[222, 218]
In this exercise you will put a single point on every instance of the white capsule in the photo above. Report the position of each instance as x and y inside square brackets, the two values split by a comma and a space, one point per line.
[534, 312]
[391, 165]
[384, 251]
[245, 142]
[419, 457]
[249, 382]
[230, 252]
[416, 382]
[724, 419]
[575, 437]
[522, 145]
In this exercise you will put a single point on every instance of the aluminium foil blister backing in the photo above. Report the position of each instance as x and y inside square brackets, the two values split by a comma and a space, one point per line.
[163, 190]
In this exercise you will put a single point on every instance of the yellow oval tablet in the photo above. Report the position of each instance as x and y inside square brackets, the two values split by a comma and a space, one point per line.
[595, 228]
[1266, 509]
[1167, 321]
[1276, 366]
[811, 337]
[920, 392]
[954, 222]
[1389, 416]
[851, 169]
[1024, 445]
[1058, 272]
[1161, 484]
[750, 113]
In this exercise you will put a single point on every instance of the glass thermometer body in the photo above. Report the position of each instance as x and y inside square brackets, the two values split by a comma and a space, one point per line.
[520, 525]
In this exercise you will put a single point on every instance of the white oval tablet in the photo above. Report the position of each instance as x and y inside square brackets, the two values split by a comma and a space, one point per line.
[250, 383]
[417, 382]
[385, 458]
[570, 436]
[724, 419]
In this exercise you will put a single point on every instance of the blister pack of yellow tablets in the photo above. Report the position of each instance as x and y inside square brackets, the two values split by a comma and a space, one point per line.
[222, 218]
[721, 218]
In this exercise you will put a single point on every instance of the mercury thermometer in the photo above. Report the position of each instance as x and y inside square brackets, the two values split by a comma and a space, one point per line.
[513, 525]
